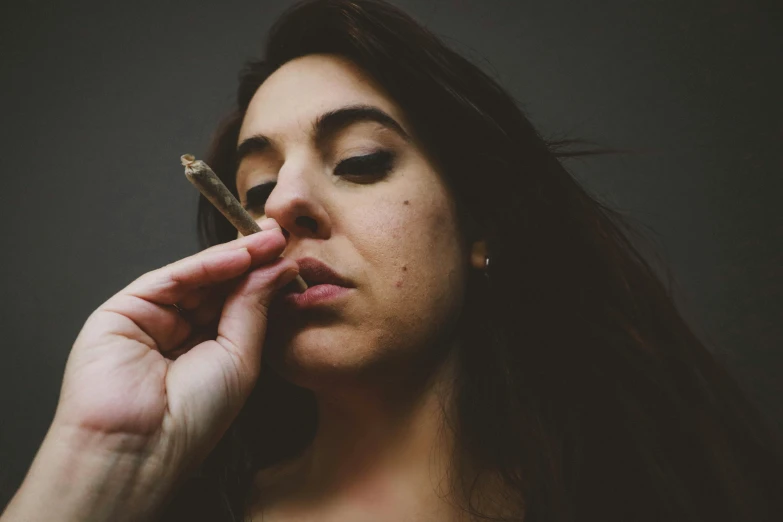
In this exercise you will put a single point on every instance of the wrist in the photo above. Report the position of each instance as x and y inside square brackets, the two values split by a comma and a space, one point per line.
[91, 477]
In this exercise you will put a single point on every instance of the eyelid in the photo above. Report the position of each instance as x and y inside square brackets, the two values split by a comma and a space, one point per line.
[374, 153]
[366, 166]
[260, 191]
[379, 157]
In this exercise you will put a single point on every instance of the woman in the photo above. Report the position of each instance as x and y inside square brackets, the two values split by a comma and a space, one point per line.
[493, 345]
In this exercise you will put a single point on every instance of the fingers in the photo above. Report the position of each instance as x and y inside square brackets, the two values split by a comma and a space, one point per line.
[242, 241]
[205, 295]
[160, 328]
[143, 309]
[243, 321]
[170, 284]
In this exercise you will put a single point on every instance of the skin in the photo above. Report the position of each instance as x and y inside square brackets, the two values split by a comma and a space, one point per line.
[148, 390]
[378, 359]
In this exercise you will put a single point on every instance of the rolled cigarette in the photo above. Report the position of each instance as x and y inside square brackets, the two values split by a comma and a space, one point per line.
[207, 182]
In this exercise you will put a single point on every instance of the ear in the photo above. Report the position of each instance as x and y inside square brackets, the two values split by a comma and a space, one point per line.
[478, 254]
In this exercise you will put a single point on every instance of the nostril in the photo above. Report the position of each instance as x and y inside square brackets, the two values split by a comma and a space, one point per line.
[308, 223]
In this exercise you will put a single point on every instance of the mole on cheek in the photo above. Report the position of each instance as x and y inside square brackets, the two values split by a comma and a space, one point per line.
[406, 201]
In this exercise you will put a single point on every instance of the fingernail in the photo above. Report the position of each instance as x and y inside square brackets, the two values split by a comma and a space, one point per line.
[268, 224]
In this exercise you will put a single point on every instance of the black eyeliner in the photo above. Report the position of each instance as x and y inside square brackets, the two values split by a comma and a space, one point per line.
[379, 162]
[258, 194]
[374, 164]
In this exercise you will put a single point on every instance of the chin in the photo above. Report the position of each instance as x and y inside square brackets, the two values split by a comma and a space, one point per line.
[315, 355]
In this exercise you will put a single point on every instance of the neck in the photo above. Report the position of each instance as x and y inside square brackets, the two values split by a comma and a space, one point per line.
[369, 439]
[379, 452]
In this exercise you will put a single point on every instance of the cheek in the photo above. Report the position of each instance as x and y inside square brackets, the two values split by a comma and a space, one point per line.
[411, 246]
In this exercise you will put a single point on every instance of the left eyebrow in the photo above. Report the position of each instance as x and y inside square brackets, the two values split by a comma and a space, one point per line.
[327, 125]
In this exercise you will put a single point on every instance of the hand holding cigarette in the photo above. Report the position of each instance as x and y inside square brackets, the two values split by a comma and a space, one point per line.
[207, 182]
[148, 390]
[158, 372]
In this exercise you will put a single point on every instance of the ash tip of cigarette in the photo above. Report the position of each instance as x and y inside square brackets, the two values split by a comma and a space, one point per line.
[187, 159]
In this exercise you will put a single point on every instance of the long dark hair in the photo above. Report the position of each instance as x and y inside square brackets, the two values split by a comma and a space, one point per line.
[580, 384]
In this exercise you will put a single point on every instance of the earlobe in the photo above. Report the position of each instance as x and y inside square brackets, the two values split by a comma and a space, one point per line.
[478, 254]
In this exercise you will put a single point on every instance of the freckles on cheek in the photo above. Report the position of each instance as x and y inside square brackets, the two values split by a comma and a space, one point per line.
[400, 282]
[398, 223]
[407, 218]
[399, 229]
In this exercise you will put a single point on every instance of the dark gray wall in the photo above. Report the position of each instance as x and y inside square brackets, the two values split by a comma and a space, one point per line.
[100, 100]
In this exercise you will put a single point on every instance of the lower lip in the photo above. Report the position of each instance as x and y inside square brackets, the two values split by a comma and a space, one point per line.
[315, 295]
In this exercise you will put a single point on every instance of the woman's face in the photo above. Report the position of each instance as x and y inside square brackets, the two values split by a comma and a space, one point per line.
[387, 223]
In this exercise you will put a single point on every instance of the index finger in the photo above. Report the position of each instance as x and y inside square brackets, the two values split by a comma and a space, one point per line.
[248, 241]
[169, 284]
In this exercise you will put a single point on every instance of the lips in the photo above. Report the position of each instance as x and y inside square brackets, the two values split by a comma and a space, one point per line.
[315, 273]
[326, 288]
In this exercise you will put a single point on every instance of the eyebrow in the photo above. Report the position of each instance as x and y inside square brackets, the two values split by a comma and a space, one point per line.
[326, 126]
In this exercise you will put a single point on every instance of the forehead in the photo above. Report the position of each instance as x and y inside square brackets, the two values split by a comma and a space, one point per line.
[299, 91]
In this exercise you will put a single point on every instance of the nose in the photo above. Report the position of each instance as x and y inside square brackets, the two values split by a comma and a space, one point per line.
[296, 203]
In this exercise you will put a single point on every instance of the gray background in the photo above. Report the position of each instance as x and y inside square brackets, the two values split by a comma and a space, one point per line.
[98, 101]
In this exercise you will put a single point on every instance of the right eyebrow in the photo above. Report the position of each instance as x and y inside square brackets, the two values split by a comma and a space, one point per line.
[327, 125]
[252, 145]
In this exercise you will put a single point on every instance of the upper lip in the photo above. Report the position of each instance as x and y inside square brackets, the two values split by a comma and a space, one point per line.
[316, 272]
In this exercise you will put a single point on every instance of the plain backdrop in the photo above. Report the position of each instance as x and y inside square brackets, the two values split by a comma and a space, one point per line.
[99, 99]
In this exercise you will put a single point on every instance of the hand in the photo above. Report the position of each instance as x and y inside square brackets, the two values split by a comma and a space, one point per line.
[146, 393]
[142, 379]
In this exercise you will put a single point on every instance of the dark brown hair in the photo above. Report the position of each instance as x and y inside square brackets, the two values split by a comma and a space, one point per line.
[580, 383]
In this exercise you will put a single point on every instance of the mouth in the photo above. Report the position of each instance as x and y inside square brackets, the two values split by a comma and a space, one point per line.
[325, 287]
[316, 273]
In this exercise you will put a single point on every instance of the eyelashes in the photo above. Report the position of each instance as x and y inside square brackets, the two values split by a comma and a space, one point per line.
[377, 163]
[257, 196]
[357, 168]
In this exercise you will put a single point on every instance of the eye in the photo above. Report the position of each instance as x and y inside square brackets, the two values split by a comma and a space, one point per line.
[257, 196]
[375, 164]
[371, 165]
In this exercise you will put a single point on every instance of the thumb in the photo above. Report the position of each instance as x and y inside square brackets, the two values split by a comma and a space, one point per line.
[243, 321]
[208, 385]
